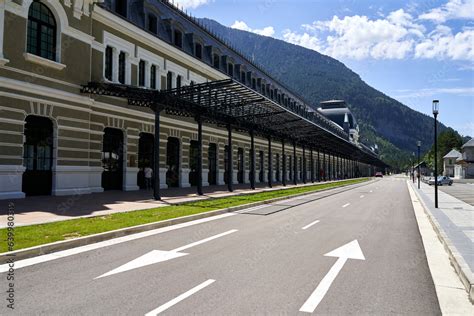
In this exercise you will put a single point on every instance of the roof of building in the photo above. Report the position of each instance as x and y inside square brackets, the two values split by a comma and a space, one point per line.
[470, 143]
[337, 111]
[453, 154]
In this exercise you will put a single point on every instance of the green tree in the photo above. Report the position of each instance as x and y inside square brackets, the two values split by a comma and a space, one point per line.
[447, 140]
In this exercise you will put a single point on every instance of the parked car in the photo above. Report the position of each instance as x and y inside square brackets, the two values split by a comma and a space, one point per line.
[379, 174]
[442, 180]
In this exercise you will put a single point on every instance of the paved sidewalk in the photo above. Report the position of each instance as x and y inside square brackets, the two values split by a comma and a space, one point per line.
[454, 223]
[44, 209]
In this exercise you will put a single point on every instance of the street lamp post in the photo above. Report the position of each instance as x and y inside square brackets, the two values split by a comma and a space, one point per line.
[413, 167]
[418, 144]
[435, 114]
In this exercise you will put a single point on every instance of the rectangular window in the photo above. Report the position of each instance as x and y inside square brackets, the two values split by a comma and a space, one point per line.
[153, 77]
[122, 71]
[198, 50]
[109, 62]
[178, 82]
[169, 80]
[230, 70]
[141, 73]
[152, 23]
[242, 77]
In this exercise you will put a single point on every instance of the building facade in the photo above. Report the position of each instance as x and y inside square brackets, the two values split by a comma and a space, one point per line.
[464, 167]
[57, 140]
[449, 162]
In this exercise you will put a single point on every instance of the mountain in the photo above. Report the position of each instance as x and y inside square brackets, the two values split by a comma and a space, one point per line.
[384, 121]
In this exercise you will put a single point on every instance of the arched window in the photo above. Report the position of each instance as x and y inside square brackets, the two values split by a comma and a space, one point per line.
[41, 31]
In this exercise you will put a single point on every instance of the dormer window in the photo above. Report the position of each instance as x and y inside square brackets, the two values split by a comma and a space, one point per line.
[178, 38]
[215, 61]
[41, 31]
[152, 24]
[230, 70]
[121, 7]
[242, 77]
[198, 50]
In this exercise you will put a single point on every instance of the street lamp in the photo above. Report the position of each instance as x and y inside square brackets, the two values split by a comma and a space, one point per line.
[435, 114]
[418, 144]
[413, 166]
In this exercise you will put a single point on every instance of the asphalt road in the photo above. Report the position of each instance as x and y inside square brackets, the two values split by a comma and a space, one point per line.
[255, 264]
[461, 191]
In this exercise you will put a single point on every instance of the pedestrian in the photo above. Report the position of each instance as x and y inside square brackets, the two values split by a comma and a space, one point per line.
[148, 177]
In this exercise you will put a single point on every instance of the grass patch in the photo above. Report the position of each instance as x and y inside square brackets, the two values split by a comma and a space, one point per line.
[34, 235]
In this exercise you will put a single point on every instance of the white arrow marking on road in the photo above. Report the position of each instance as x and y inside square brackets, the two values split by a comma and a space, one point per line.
[348, 251]
[156, 256]
[310, 224]
[346, 205]
[178, 299]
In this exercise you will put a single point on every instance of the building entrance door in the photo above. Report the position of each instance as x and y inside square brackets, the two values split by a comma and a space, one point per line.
[193, 162]
[112, 159]
[145, 157]
[38, 156]
[240, 165]
[172, 162]
[212, 162]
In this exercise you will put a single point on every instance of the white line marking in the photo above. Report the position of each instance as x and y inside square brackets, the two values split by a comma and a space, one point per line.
[246, 210]
[156, 256]
[361, 196]
[204, 240]
[371, 191]
[346, 205]
[348, 251]
[178, 299]
[310, 224]
[69, 252]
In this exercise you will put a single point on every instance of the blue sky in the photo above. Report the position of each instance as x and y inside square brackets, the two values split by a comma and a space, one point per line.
[414, 51]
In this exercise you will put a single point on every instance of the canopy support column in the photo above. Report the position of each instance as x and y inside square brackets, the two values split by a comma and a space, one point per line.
[295, 164]
[156, 160]
[199, 158]
[283, 164]
[270, 160]
[230, 164]
[252, 160]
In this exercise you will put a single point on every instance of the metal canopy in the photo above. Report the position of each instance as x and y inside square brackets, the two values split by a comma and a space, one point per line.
[230, 102]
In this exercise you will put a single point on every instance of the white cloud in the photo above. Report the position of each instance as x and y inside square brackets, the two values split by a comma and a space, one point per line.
[191, 4]
[305, 40]
[442, 43]
[359, 37]
[241, 25]
[453, 9]
[397, 36]
[459, 91]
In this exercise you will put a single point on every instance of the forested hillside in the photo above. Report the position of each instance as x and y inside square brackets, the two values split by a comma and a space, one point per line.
[316, 77]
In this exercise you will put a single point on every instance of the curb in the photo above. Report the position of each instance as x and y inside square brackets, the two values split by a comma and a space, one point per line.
[457, 261]
[35, 251]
